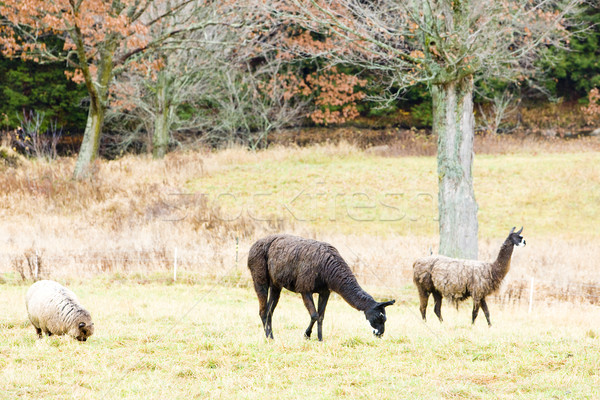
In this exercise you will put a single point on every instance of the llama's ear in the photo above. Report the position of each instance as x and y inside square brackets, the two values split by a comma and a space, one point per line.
[512, 230]
[387, 303]
[520, 230]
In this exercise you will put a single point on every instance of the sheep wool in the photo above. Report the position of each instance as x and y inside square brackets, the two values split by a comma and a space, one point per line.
[55, 310]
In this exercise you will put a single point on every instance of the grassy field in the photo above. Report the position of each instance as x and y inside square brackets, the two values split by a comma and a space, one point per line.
[115, 238]
[551, 194]
[202, 341]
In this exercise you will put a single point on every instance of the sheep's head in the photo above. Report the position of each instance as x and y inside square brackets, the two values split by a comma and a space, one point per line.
[377, 318]
[85, 329]
[516, 238]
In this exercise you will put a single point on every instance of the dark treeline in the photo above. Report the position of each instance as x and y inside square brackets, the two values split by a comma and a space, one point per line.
[40, 97]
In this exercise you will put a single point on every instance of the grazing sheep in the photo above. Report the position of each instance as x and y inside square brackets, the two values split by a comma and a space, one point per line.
[307, 266]
[55, 310]
[457, 279]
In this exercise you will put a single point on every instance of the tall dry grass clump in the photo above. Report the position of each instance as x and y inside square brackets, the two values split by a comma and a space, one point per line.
[410, 144]
[129, 216]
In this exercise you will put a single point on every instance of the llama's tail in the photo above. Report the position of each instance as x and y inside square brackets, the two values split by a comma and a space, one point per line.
[258, 260]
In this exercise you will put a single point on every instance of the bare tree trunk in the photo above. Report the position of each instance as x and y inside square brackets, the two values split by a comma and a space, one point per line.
[160, 138]
[453, 122]
[98, 92]
[91, 142]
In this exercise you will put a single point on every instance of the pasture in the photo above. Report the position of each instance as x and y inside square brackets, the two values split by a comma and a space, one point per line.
[115, 239]
[201, 341]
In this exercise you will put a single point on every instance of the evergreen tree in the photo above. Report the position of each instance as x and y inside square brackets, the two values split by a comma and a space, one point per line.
[577, 70]
[40, 88]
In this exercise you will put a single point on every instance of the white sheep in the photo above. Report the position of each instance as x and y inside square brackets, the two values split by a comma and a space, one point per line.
[55, 310]
[457, 279]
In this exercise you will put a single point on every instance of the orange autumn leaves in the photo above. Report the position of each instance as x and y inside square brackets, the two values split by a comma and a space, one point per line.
[84, 25]
[592, 110]
[89, 26]
[336, 96]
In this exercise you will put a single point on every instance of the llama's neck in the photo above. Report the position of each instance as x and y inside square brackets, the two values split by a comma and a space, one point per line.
[501, 266]
[356, 296]
[346, 286]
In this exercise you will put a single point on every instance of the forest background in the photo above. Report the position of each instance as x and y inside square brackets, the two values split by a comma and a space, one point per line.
[218, 96]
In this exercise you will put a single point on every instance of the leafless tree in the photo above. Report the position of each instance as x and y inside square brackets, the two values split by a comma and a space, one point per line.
[447, 45]
[208, 73]
[495, 109]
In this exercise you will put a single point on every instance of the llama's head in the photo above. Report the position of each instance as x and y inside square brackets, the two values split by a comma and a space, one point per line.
[516, 238]
[377, 318]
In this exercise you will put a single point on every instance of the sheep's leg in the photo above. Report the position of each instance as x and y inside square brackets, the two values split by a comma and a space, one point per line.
[424, 299]
[486, 311]
[262, 292]
[271, 304]
[323, 297]
[38, 331]
[437, 297]
[476, 304]
[310, 306]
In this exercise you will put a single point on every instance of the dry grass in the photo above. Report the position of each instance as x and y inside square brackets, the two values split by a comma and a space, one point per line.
[160, 341]
[130, 218]
[409, 144]
[112, 240]
[393, 142]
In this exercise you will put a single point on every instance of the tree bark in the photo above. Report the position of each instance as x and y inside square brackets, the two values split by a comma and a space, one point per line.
[98, 92]
[160, 138]
[453, 122]
[91, 142]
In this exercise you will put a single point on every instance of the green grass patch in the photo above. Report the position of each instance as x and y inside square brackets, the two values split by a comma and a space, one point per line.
[551, 194]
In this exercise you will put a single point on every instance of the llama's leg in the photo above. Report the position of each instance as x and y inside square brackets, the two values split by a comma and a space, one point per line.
[274, 293]
[486, 311]
[476, 304]
[310, 306]
[323, 297]
[262, 292]
[424, 299]
[437, 297]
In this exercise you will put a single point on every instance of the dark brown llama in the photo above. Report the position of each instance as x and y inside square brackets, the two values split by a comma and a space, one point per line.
[307, 266]
[458, 280]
